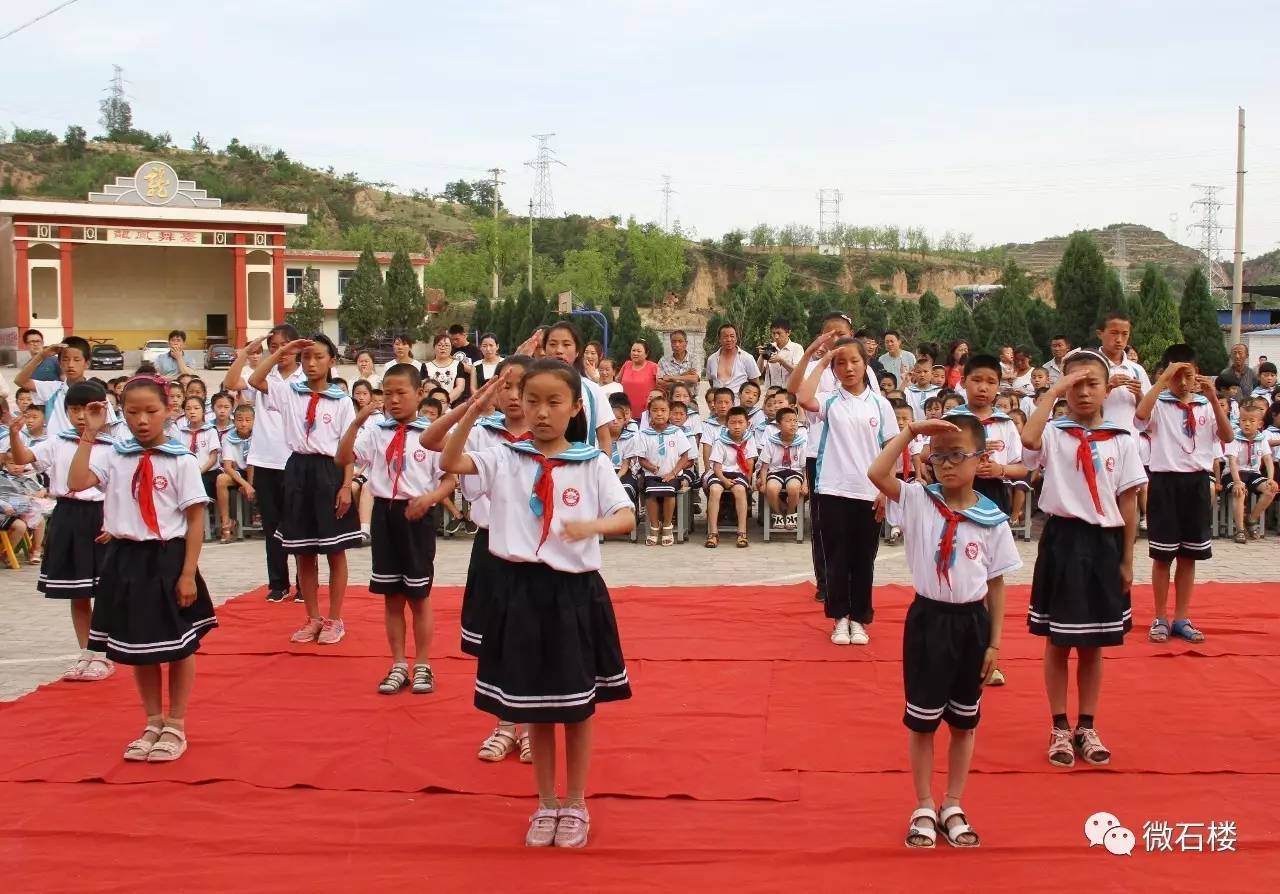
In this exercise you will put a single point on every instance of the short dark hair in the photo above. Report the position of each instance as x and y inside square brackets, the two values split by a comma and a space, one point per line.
[431, 402]
[145, 369]
[404, 337]
[679, 332]
[724, 326]
[243, 408]
[783, 411]
[898, 403]
[1075, 358]
[77, 343]
[737, 411]
[1267, 367]
[177, 333]
[982, 361]
[457, 329]
[578, 427]
[1061, 338]
[932, 401]
[83, 393]
[31, 332]
[834, 315]
[288, 330]
[1114, 315]
[894, 332]
[618, 399]
[749, 383]
[972, 426]
[1227, 380]
[864, 332]
[1178, 353]
[890, 376]
[222, 395]
[408, 371]
[780, 323]
[717, 392]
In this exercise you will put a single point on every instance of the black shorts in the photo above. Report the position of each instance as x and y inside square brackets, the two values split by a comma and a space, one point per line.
[1076, 596]
[655, 487]
[210, 481]
[943, 647]
[404, 551]
[477, 593]
[630, 485]
[308, 522]
[737, 478]
[785, 476]
[1180, 516]
[1253, 482]
[72, 559]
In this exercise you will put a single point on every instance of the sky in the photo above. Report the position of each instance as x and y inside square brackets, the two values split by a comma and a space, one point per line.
[1008, 121]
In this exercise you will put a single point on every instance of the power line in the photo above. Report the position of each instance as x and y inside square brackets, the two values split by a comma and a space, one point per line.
[543, 203]
[43, 15]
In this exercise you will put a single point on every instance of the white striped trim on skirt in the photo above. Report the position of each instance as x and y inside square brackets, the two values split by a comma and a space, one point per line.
[550, 701]
[1099, 627]
[99, 636]
[318, 541]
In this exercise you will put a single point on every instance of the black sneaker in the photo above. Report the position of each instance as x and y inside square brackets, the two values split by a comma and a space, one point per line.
[819, 596]
[297, 596]
[276, 596]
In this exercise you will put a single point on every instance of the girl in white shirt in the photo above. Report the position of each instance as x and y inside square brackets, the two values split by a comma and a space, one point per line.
[856, 424]
[152, 606]
[550, 646]
[562, 342]
[201, 439]
[445, 370]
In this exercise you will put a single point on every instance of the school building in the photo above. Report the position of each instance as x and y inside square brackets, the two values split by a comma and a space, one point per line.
[150, 253]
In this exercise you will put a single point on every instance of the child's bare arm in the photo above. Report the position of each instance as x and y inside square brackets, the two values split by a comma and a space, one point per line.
[995, 607]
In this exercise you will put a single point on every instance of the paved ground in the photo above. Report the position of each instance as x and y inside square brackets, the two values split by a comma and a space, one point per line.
[36, 641]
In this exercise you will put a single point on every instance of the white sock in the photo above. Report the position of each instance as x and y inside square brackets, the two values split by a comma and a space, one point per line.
[364, 529]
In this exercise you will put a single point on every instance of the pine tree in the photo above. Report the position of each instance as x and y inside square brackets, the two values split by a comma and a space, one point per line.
[1079, 288]
[653, 341]
[874, 314]
[906, 319]
[984, 328]
[930, 311]
[404, 310]
[1113, 299]
[307, 313]
[956, 324]
[482, 316]
[1160, 325]
[1009, 309]
[1042, 323]
[819, 306]
[536, 313]
[361, 307]
[791, 309]
[1200, 327]
[628, 330]
[606, 309]
[502, 324]
[519, 313]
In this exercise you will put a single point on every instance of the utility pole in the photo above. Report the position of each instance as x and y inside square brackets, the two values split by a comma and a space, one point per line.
[496, 172]
[667, 192]
[544, 204]
[1237, 267]
[1208, 226]
[530, 281]
[828, 215]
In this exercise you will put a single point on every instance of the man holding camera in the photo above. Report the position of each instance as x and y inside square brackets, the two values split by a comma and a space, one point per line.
[779, 356]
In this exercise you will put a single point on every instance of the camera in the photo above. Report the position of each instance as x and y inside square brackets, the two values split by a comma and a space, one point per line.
[767, 351]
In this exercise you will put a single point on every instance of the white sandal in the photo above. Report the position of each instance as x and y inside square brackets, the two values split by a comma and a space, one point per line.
[499, 744]
[651, 539]
[98, 668]
[918, 829]
[74, 672]
[960, 828]
[140, 749]
[164, 752]
[668, 535]
[526, 749]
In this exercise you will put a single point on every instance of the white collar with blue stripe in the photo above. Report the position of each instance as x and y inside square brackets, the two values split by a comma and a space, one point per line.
[1193, 399]
[984, 513]
[1256, 439]
[724, 438]
[932, 389]
[797, 440]
[577, 452]
[496, 421]
[333, 392]
[963, 410]
[419, 424]
[131, 446]
[233, 438]
[1064, 423]
[72, 435]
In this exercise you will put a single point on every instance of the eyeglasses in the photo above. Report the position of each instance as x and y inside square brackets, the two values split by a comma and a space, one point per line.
[953, 457]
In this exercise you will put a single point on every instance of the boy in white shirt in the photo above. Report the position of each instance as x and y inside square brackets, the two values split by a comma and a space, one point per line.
[782, 470]
[662, 451]
[730, 460]
[1251, 470]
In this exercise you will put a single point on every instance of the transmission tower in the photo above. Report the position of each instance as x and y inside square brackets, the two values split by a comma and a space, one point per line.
[828, 215]
[496, 173]
[667, 193]
[543, 203]
[1210, 230]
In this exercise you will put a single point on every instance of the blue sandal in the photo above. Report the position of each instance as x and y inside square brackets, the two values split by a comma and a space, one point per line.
[1159, 632]
[1184, 629]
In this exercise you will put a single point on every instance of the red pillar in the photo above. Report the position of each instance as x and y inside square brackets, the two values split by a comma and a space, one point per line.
[22, 283]
[241, 301]
[277, 280]
[66, 294]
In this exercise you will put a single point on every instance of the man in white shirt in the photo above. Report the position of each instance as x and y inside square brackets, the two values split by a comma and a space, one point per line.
[729, 367]
[780, 357]
[678, 367]
[895, 361]
[1059, 346]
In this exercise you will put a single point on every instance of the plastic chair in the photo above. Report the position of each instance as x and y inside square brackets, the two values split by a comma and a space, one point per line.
[766, 516]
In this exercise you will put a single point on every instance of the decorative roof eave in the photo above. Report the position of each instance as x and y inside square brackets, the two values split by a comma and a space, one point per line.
[165, 214]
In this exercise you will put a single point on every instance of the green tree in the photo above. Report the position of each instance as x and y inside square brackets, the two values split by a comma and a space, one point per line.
[199, 143]
[520, 313]
[1113, 299]
[1200, 328]
[791, 309]
[307, 313]
[906, 319]
[762, 234]
[819, 304]
[606, 308]
[482, 316]
[653, 341]
[711, 335]
[1079, 288]
[956, 324]
[628, 331]
[930, 311]
[360, 311]
[984, 327]
[591, 274]
[74, 141]
[656, 260]
[404, 310]
[502, 325]
[1159, 326]
[536, 312]
[872, 313]
[116, 116]
[1010, 310]
[1042, 323]
[461, 273]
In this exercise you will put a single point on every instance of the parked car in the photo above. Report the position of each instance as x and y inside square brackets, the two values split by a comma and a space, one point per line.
[153, 349]
[219, 356]
[380, 349]
[106, 357]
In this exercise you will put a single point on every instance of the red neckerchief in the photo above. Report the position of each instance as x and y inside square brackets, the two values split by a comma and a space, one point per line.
[395, 458]
[311, 414]
[740, 452]
[509, 437]
[947, 545]
[195, 436]
[786, 455]
[544, 492]
[144, 491]
[990, 420]
[1084, 458]
[906, 462]
[1189, 423]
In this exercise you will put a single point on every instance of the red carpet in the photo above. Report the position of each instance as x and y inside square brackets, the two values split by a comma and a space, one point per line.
[754, 753]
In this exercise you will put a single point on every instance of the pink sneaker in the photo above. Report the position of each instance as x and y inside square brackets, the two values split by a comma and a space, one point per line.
[542, 828]
[332, 632]
[572, 829]
[308, 632]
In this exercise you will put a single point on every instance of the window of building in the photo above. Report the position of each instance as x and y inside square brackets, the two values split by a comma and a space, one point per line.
[293, 279]
[344, 277]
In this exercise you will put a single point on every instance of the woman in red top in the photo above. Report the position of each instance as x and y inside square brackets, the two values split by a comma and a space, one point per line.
[638, 378]
[956, 356]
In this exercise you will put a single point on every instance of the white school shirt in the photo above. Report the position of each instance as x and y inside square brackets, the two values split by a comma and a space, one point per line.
[206, 443]
[1248, 451]
[1172, 448]
[585, 489]
[53, 397]
[1117, 466]
[692, 438]
[421, 472]
[177, 486]
[723, 452]
[268, 424]
[856, 427]
[486, 434]
[1028, 404]
[236, 450]
[1273, 433]
[53, 457]
[334, 415]
[664, 449]
[983, 547]
[1004, 444]
[1120, 405]
[595, 403]
[813, 421]
[711, 429]
[774, 450]
[915, 396]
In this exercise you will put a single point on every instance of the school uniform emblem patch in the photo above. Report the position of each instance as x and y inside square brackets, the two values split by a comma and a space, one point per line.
[160, 482]
[994, 446]
[570, 496]
[1111, 464]
[971, 551]
[327, 418]
[419, 455]
[875, 423]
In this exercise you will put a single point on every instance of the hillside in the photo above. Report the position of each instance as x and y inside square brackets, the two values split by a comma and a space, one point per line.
[345, 212]
[1126, 247]
[1262, 270]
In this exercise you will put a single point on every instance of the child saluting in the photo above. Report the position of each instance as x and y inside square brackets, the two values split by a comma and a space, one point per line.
[958, 549]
